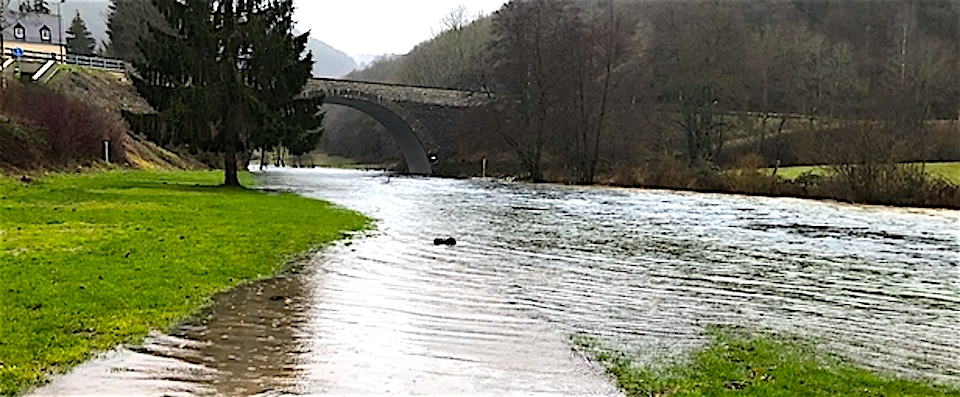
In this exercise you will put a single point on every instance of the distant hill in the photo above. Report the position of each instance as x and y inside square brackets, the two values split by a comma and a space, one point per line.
[329, 61]
[364, 60]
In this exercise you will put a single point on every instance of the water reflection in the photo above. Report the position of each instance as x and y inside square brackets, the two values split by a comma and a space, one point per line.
[245, 344]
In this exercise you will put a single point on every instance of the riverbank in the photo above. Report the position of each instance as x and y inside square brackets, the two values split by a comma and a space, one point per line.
[919, 185]
[892, 184]
[96, 260]
[741, 364]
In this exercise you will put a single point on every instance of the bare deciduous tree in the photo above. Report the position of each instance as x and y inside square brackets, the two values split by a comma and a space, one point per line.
[525, 46]
[596, 49]
[699, 57]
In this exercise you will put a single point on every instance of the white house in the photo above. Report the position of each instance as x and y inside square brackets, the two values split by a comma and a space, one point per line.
[33, 32]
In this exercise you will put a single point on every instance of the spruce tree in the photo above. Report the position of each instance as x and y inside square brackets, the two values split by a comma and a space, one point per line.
[129, 21]
[79, 40]
[228, 77]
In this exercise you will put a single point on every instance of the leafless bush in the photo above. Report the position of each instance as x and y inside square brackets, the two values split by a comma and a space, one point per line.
[75, 130]
[71, 131]
[675, 173]
[751, 176]
[896, 184]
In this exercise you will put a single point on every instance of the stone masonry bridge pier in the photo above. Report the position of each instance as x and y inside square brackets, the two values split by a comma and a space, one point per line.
[407, 112]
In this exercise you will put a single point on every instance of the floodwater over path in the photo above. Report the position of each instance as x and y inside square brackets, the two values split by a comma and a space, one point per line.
[643, 270]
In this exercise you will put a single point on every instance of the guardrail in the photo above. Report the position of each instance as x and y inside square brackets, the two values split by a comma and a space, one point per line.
[34, 55]
[115, 65]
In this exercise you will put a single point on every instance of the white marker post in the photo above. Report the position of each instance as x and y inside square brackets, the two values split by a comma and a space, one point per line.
[106, 151]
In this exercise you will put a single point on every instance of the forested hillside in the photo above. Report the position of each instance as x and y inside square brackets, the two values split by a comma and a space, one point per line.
[668, 93]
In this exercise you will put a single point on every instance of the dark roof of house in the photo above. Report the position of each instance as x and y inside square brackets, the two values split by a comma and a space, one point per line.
[32, 23]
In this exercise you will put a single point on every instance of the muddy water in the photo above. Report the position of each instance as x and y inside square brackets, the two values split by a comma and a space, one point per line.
[644, 270]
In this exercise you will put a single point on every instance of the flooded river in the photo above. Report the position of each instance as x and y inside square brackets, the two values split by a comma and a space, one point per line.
[646, 271]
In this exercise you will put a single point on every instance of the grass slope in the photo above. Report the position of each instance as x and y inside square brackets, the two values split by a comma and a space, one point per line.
[751, 365]
[91, 261]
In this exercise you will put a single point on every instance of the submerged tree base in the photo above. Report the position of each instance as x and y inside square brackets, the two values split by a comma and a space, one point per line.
[740, 364]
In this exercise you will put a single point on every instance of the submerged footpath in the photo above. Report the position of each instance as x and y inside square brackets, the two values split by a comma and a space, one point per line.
[92, 261]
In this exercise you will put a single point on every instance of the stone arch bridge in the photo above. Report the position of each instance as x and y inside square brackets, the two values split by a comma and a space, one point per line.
[407, 112]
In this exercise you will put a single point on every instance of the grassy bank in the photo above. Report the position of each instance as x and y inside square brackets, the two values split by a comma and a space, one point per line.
[737, 364]
[92, 261]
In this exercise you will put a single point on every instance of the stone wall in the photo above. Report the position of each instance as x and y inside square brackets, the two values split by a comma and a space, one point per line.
[377, 92]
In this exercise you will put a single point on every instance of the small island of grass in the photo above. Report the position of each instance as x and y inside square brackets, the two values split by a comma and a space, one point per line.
[741, 364]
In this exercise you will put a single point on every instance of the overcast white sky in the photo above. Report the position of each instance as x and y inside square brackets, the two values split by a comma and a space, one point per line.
[375, 27]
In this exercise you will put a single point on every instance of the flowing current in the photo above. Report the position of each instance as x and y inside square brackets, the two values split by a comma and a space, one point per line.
[644, 271]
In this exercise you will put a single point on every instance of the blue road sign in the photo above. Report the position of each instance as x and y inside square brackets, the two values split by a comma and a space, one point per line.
[18, 52]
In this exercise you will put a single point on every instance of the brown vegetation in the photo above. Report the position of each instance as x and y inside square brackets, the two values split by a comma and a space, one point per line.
[63, 124]
[47, 130]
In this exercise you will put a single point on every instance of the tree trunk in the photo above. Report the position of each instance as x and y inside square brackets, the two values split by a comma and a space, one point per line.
[230, 159]
[230, 167]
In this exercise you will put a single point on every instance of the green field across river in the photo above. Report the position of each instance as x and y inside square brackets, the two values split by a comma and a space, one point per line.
[948, 171]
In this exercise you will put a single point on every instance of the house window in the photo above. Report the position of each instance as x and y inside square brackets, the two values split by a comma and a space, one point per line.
[45, 34]
[19, 32]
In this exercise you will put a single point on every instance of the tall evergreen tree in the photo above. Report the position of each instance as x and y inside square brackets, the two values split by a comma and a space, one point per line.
[129, 21]
[229, 76]
[79, 40]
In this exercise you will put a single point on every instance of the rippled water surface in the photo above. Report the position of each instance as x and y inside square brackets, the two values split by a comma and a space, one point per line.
[645, 270]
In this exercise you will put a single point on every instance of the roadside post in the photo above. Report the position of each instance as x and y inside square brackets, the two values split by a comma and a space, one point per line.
[17, 53]
[106, 151]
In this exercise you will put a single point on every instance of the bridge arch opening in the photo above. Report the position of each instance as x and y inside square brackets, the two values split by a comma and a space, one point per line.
[410, 146]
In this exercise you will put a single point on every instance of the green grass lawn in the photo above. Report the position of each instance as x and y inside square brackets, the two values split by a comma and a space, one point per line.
[751, 365]
[949, 171]
[88, 262]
